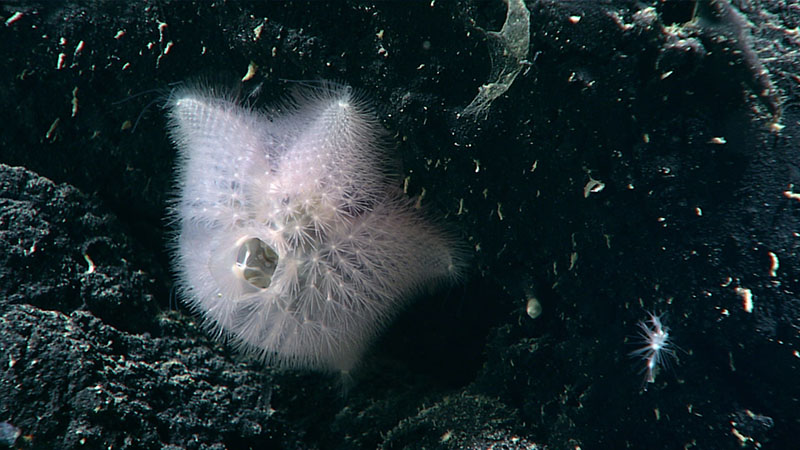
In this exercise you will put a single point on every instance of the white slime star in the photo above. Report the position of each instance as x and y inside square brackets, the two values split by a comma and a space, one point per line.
[294, 240]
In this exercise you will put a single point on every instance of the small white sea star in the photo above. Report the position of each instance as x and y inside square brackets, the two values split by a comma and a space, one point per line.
[657, 347]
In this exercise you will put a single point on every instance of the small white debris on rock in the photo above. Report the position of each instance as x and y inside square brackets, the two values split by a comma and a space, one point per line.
[593, 187]
[747, 298]
[791, 194]
[75, 101]
[774, 264]
[252, 68]
[51, 132]
[533, 308]
[14, 17]
[79, 48]
[89, 261]
[161, 27]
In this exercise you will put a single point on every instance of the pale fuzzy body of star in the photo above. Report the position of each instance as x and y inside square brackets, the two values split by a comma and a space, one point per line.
[294, 240]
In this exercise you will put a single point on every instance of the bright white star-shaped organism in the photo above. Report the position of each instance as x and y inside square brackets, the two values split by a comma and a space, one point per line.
[294, 240]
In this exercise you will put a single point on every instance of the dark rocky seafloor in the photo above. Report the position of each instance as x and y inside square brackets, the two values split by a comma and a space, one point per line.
[644, 159]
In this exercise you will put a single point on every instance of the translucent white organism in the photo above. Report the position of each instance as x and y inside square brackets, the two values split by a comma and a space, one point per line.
[657, 349]
[508, 50]
[294, 240]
